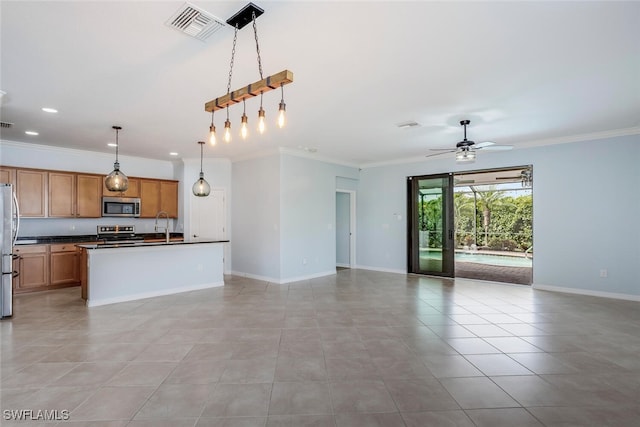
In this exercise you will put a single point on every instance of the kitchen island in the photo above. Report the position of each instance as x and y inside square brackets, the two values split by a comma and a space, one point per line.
[114, 273]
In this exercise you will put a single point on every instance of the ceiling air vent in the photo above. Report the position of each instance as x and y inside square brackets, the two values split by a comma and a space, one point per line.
[195, 22]
[5, 125]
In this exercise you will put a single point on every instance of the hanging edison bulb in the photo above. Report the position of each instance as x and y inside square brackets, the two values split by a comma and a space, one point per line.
[243, 126]
[261, 124]
[227, 128]
[212, 132]
[281, 109]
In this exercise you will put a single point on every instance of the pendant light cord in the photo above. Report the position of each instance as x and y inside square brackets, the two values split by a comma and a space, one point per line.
[255, 34]
[233, 54]
[201, 144]
[117, 128]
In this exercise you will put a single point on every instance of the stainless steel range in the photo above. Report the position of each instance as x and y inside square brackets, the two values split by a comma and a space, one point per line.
[118, 234]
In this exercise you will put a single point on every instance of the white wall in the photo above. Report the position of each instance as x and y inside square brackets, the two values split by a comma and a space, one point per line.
[308, 215]
[586, 202]
[56, 158]
[255, 223]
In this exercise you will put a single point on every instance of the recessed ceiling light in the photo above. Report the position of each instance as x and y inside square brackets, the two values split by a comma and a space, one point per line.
[32, 132]
[112, 144]
[173, 153]
[49, 110]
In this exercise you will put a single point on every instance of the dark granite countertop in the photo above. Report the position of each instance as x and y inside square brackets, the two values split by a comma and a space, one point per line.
[143, 244]
[84, 238]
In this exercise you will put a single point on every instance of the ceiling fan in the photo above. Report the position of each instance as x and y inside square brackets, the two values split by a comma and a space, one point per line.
[466, 150]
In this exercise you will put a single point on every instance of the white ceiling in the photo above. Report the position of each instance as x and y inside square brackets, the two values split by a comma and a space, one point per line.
[524, 73]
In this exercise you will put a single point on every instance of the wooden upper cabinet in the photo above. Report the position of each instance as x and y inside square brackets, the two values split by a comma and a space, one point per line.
[149, 198]
[62, 194]
[158, 195]
[169, 198]
[7, 176]
[89, 196]
[132, 191]
[31, 189]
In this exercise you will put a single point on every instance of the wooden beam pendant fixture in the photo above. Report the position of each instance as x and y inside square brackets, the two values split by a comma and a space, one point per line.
[254, 89]
[245, 16]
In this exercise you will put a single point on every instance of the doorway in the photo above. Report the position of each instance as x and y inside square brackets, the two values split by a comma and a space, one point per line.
[476, 224]
[345, 228]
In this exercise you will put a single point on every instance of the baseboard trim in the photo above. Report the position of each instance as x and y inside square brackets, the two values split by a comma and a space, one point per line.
[254, 276]
[145, 295]
[339, 264]
[308, 277]
[586, 292]
[283, 281]
[384, 270]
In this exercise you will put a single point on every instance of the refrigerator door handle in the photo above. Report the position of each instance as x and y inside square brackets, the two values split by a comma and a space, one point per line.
[16, 222]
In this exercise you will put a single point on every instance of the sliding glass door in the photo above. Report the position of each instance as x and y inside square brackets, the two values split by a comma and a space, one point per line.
[430, 243]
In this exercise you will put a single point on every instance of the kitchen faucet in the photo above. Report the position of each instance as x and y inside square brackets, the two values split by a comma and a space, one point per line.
[166, 227]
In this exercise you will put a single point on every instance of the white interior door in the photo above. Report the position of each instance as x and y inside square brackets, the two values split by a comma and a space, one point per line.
[208, 219]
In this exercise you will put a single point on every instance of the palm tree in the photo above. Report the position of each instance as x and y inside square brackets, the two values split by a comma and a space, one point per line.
[490, 199]
[463, 207]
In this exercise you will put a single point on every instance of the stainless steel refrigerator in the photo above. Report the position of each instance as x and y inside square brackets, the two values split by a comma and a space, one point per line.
[8, 236]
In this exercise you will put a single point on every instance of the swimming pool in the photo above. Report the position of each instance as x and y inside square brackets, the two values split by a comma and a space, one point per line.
[483, 258]
[502, 260]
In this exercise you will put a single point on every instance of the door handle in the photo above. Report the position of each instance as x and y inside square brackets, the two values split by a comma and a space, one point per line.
[450, 234]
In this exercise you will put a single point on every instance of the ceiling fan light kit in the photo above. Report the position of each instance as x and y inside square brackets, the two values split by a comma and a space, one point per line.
[466, 150]
[247, 15]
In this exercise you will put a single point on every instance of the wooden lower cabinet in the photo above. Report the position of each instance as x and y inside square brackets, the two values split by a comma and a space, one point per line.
[44, 267]
[65, 266]
[32, 265]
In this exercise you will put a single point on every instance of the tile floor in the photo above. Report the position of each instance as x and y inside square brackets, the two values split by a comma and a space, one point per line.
[360, 348]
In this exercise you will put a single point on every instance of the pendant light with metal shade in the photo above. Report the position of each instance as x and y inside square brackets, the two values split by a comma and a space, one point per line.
[201, 188]
[116, 180]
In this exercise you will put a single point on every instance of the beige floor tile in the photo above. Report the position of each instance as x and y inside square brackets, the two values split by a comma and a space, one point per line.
[358, 348]
[361, 396]
[478, 393]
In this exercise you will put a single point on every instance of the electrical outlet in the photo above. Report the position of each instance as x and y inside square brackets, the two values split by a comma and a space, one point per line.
[304, 261]
[604, 272]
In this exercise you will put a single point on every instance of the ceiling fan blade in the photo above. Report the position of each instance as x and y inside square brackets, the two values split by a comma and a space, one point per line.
[497, 147]
[484, 144]
[440, 153]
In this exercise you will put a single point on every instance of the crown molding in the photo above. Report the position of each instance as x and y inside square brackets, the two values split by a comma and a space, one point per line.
[593, 136]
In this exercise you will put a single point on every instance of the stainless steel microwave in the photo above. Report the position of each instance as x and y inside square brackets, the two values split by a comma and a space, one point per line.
[121, 206]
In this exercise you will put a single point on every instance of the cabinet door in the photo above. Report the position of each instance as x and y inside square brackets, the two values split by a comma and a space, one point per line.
[62, 194]
[31, 188]
[64, 265]
[88, 196]
[169, 198]
[33, 267]
[7, 175]
[132, 191]
[149, 198]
